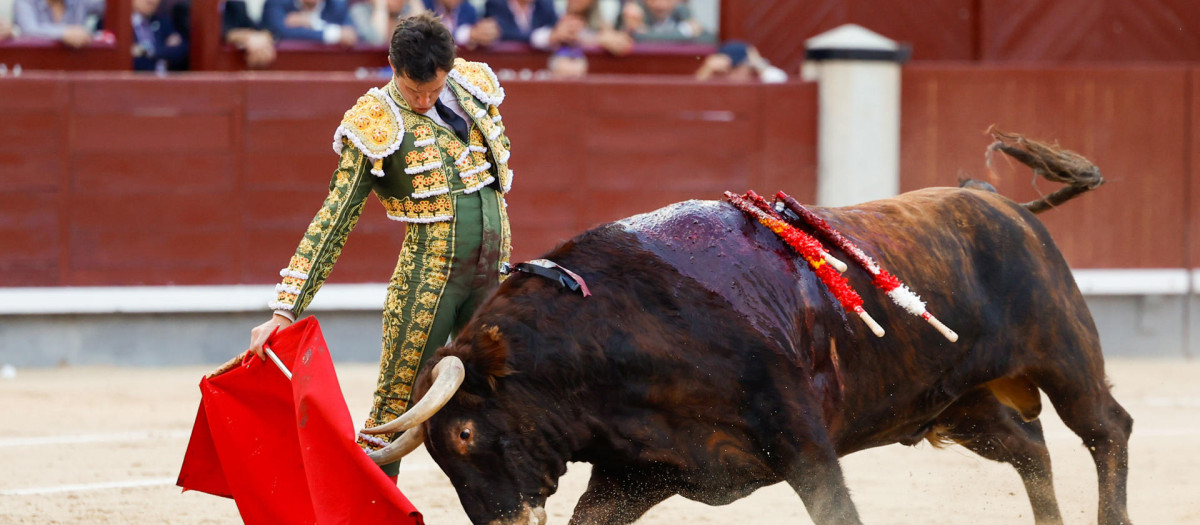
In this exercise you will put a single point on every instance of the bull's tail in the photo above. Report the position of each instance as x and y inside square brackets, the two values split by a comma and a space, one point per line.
[1052, 163]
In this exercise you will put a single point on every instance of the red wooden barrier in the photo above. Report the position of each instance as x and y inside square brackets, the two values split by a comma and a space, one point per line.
[941, 30]
[111, 179]
[210, 179]
[33, 158]
[1132, 122]
[1191, 185]
[1028, 31]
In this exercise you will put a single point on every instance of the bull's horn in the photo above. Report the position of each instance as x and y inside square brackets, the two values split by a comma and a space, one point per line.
[447, 376]
[407, 442]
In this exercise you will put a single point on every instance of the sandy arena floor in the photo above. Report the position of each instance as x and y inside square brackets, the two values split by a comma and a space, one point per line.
[103, 446]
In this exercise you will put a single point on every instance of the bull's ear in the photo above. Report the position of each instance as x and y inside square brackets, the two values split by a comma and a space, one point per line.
[491, 354]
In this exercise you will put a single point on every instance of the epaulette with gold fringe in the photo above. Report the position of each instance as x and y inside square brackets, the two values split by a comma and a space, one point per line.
[479, 80]
[374, 126]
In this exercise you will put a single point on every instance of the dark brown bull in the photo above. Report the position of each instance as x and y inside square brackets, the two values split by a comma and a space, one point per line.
[709, 362]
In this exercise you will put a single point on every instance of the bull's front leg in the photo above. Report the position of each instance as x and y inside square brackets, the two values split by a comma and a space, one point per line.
[810, 465]
[817, 477]
[615, 497]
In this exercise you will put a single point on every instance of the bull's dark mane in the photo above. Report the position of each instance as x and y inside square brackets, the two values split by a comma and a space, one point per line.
[521, 312]
[564, 327]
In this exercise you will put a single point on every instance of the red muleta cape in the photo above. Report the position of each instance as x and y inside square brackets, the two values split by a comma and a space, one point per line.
[284, 450]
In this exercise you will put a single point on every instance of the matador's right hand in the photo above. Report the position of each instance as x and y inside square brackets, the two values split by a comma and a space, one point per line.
[260, 333]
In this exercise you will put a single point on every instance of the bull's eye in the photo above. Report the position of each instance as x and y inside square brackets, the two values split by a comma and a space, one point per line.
[465, 442]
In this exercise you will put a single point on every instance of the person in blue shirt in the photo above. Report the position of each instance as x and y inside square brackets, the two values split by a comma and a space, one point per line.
[532, 21]
[463, 21]
[247, 34]
[63, 20]
[325, 21]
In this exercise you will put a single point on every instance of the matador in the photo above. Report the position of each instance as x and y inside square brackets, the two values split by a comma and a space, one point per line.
[432, 146]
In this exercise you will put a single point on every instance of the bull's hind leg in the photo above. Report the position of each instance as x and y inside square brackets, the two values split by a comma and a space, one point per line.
[979, 422]
[1086, 406]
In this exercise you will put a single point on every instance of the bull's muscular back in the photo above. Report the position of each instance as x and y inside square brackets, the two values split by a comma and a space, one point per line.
[984, 265]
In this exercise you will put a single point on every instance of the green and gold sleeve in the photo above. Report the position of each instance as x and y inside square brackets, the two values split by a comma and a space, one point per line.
[326, 234]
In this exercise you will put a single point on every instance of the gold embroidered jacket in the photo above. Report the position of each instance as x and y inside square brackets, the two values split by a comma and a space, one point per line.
[411, 163]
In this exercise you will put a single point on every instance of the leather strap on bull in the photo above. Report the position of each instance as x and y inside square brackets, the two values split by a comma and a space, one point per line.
[813, 252]
[551, 270]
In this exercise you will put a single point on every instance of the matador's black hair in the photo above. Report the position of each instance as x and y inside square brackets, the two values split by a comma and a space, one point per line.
[421, 46]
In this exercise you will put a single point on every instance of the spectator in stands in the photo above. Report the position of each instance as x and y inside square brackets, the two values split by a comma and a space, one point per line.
[461, 18]
[739, 61]
[597, 32]
[243, 32]
[5, 29]
[375, 19]
[532, 21]
[661, 21]
[325, 21]
[180, 12]
[157, 45]
[567, 63]
[64, 20]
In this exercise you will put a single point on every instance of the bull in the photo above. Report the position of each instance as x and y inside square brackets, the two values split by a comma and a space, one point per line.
[709, 361]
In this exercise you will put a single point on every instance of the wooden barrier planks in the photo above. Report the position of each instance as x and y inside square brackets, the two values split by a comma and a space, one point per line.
[151, 170]
[1131, 122]
[210, 179]
[33, 168]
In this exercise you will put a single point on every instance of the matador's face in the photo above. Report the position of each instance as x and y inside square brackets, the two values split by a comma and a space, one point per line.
[420, 96]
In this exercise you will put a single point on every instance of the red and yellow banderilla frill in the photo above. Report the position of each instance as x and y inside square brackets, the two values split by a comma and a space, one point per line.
[810, 250]
[890, 284]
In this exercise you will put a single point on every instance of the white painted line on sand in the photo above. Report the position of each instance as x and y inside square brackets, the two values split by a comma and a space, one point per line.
[66, 439]
[1170, 402]
[153, 482]
[37, 491]
[1065, 434]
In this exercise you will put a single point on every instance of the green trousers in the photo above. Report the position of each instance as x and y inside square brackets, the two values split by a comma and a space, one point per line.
[445, 271]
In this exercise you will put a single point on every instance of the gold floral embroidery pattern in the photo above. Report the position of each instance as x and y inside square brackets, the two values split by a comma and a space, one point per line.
[422, 135]
[479, 80]
[325, 236]
[487, 135]
[500, 152]
[454, 148]
[438, 208]
[435, 161]
[373, 126]
[421, 274]
[426, 185]
[505, 234]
